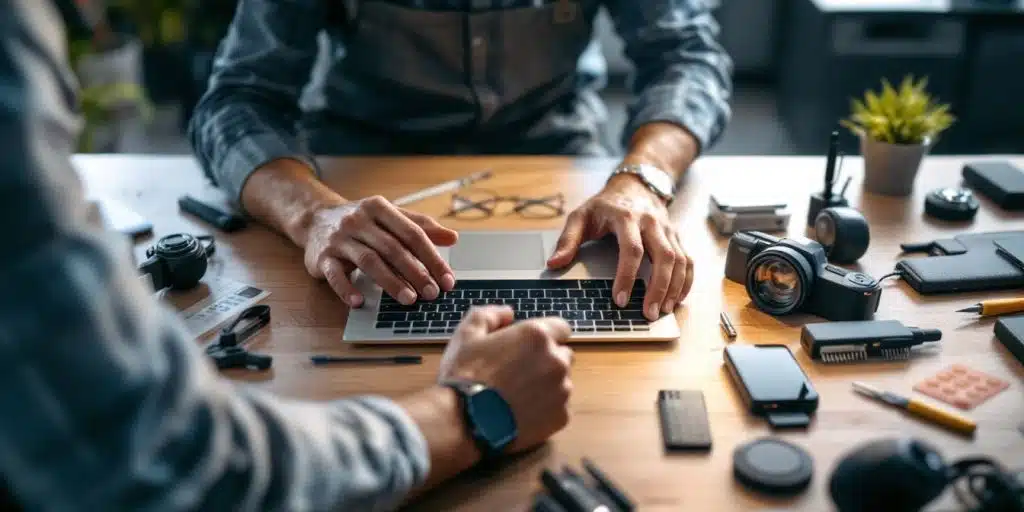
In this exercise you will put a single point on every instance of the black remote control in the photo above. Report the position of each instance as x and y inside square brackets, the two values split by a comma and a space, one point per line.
[684, 420]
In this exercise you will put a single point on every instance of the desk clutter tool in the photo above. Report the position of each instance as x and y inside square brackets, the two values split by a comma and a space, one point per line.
[1010, 332]
[727, 326]
[732, 213]
[932, 414]
[684, 420]
[964, 263]
[772, 466]
[995, 307]
[772, 384]
[569, 491]
[875, 340]
[790, 275]
[224, 220]
[907, 474]
[827, 198]
[961, 386]
[843, 232]
[952, 204]
[1000, 181]
[178, 261]
[229, 351]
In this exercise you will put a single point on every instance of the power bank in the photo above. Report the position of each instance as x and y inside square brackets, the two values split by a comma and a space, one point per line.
[1000, 181]
[772, 384]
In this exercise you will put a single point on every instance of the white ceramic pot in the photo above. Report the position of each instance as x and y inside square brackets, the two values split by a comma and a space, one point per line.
[890, 169]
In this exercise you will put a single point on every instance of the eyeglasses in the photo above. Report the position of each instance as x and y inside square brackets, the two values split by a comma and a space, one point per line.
[473, 204]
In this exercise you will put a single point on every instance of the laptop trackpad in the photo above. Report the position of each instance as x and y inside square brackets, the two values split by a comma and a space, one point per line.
[498, 251]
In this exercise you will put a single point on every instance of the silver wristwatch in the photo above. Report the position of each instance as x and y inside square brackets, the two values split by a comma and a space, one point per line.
[657, 180]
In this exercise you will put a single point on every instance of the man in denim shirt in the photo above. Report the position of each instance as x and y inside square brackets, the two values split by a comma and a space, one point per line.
[456, 77]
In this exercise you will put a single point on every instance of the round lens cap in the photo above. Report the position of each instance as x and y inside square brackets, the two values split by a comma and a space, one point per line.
[772, 466]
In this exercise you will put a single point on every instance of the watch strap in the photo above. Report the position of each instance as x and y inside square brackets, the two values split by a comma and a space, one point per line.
[465, 390]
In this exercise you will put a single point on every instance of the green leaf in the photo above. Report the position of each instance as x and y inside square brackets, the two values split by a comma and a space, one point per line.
[906, 114]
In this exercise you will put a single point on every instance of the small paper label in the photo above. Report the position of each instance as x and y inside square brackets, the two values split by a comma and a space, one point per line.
[220, 300]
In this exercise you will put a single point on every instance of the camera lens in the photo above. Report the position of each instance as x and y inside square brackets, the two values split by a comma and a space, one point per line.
[777, 282]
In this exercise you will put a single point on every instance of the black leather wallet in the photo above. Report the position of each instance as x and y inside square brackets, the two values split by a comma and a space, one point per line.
[1000, 181]
[974, 262]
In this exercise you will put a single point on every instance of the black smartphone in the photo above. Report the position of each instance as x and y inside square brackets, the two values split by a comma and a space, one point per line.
[772, 384]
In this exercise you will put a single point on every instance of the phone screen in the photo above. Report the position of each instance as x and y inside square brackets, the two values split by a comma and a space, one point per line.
[770, 373]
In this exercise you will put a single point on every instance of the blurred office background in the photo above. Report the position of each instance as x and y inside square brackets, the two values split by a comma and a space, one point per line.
[797, 64]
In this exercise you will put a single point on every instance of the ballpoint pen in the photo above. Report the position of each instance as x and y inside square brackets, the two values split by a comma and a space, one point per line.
[325, 359]
[995, 307]
[941, 417]
[441, 188]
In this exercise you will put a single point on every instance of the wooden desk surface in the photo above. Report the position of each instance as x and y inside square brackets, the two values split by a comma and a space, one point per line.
[614, 420]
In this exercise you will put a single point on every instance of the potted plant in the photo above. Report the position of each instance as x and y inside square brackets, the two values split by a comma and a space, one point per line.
[896, 127]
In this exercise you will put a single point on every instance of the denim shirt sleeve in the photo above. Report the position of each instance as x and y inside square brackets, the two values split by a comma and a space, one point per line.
[683, 75]
[250, 111]
[107, 403]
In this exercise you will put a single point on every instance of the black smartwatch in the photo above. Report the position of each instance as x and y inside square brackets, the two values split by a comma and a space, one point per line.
[487, 415]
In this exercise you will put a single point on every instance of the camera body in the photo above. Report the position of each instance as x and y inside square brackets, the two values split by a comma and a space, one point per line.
[790, 275]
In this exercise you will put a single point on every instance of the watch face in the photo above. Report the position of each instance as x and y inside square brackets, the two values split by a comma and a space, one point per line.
[493, 418]
[658, 179]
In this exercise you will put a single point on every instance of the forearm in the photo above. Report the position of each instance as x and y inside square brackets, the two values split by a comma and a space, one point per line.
[438, 414]
[285, 194]
[666, 146]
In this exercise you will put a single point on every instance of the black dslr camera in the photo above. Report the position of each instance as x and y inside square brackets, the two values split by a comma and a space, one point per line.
[789, 275]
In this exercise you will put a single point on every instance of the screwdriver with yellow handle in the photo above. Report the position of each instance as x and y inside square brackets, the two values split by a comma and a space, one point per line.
[942, 417]
[995, 307]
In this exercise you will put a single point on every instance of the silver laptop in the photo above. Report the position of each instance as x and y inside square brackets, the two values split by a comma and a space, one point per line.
[509, 267]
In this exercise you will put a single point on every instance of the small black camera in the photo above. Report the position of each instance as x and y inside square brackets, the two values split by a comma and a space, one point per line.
[789, 275]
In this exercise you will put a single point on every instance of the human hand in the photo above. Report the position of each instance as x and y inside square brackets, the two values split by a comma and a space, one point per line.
[640, 222]
[526, 363]
[393, 246]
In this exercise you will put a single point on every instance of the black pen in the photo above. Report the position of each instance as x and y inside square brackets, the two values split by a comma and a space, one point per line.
[224, 221]
[830, 166]
[571, 494]
[325, 359]
[606, 486]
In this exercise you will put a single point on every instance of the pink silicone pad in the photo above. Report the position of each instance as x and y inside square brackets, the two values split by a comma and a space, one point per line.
[961, 386]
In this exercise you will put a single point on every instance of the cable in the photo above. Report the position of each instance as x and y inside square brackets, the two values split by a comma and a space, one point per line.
[982, 485]
[895, 273]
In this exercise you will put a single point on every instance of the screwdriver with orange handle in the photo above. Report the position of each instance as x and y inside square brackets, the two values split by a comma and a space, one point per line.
[931, 413]
[995, 307]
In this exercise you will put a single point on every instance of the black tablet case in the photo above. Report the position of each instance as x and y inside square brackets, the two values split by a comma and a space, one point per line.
[1000, 181]
[967, 263]
[1010, 332]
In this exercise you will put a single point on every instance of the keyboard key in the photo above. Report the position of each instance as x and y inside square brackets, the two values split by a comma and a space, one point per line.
[394, 307]
[440, 323]
[522, 315]
[620, 322]
[536, 293]
[418, 331]
[610, 315]
[435, 316]
[602, 328]
[444, 308]
[590, 283]
[437, 331]
[401, 331]
[632, 315]
[495, 302]
[576, 293]
[427, 307]
[510, 302]
[450, 330]
[416, 317]
[461, 302]
[555, 293]
[471, 294]
[641, 327]
[385, 325]
[583, 329]
[453, 316]
[622, 328]
[462, 308]
[403, 325]
[504, 294]
[535, 314]
[454, 294]
[488, 294]
[572, 315]
[544, 302]
[585, 323]
[603, 323]
[605, 293]
[479, 302]
[418, 325]
[563, 300]
[592, 293]
[520, 294]
[560, 307]
[391, 317]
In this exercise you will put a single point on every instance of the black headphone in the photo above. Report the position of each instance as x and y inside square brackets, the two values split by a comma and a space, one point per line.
[178, 261]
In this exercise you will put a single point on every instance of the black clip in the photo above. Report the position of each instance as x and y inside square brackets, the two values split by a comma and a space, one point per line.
[227, 351]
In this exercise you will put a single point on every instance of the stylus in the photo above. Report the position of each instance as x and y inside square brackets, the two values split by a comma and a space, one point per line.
[996, 307]
[325, 359]
[830, 166]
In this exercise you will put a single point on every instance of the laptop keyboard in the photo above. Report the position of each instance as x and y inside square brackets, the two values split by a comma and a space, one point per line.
[586, 304]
